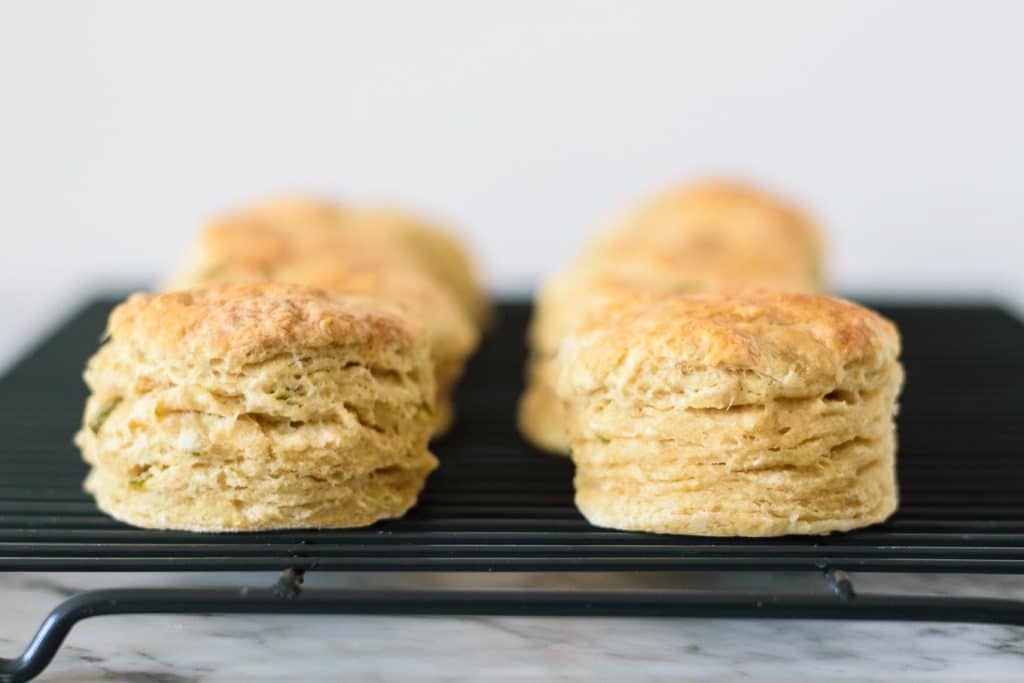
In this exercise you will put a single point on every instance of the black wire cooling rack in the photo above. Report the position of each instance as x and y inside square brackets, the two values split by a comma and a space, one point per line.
[497, 505]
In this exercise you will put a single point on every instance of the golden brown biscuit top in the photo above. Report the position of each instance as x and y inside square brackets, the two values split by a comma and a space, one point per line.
[292, 213]
[410, 290]
[569, 296]
[406, 227]
[723, 205]
[245, 323]
[719, 232]
[439, 252]
[572, 295]
[272, 231]
[792, 338]
[256, 243]
[717, 199]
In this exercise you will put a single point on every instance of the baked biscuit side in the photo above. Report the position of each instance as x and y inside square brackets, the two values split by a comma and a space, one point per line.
[385, 255]
[810, 465]
[438, 252]
[753, 414]
[318, 417]
[453, 336]
[710, 236]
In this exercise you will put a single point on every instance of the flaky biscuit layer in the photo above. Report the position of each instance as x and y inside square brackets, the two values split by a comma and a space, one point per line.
[847, 487]
[453, 337]
[753, 413]
[292, 502]
[276, 403]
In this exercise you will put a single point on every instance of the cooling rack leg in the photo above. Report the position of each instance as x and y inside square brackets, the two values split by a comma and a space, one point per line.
[286, 599]
[48, 639]
[289, 584]
[840, 583]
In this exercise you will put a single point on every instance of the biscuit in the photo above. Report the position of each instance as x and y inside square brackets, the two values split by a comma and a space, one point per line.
[243, 407]
[384, 255]
[246, 243]
[250, 244]
[705, 237]
[540, 414]
[717, 233]
[750, 413]
[436, 251]
[450, 333]
[567, 300]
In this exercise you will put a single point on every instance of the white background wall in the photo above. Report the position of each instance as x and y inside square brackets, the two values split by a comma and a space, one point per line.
[124, 124]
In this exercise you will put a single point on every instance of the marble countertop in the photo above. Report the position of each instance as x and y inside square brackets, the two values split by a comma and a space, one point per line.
[174, 649]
